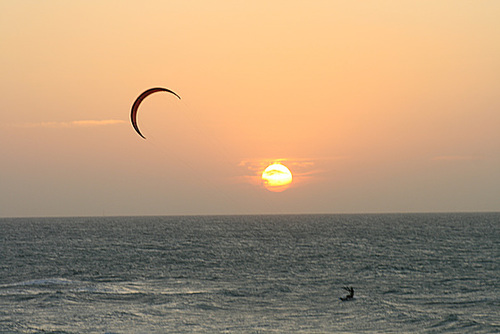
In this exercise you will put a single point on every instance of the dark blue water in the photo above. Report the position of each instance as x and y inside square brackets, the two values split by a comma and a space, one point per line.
[251, 274]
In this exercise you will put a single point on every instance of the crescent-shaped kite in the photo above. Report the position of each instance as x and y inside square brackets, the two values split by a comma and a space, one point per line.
[137, 102]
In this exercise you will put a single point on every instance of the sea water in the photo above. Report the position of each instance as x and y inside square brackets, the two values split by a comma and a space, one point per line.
[429, 273]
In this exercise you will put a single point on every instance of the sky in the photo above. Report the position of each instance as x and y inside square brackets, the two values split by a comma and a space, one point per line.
[374, 106]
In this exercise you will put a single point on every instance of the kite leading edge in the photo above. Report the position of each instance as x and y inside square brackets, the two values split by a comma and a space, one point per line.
[140, 98]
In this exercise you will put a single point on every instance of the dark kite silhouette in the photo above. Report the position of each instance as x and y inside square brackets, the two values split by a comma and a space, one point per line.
[137, 102]
[350, 295]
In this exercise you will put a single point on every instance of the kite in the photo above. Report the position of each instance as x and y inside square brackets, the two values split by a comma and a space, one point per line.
[140, 98]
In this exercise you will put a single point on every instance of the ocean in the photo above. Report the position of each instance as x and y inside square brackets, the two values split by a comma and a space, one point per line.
[418, 273]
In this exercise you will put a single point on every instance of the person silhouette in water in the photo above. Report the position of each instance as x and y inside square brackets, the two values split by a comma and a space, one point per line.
[350, 295]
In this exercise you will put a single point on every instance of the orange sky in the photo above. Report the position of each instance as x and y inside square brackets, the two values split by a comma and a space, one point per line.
[375, 106]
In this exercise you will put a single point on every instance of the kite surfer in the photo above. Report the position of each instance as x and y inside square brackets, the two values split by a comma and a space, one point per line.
[350, 295]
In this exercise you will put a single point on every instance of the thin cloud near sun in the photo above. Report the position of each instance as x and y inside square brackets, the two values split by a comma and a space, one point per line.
[258, 165]
[71, 124]
[301, 169]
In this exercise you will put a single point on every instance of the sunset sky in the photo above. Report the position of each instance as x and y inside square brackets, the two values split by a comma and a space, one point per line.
[374, 106]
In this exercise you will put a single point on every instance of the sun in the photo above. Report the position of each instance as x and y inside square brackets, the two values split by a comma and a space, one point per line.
[276, 177]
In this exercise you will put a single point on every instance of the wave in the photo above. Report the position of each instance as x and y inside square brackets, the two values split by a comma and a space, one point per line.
[458, 323]
[41, 282]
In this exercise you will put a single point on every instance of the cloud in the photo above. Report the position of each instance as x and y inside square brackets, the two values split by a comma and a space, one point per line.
[258, 165]
[71, 124]
[303, 169]
[97, 122]
[302, 166]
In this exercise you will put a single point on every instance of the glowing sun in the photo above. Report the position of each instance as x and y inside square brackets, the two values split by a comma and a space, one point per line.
[276, 177]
